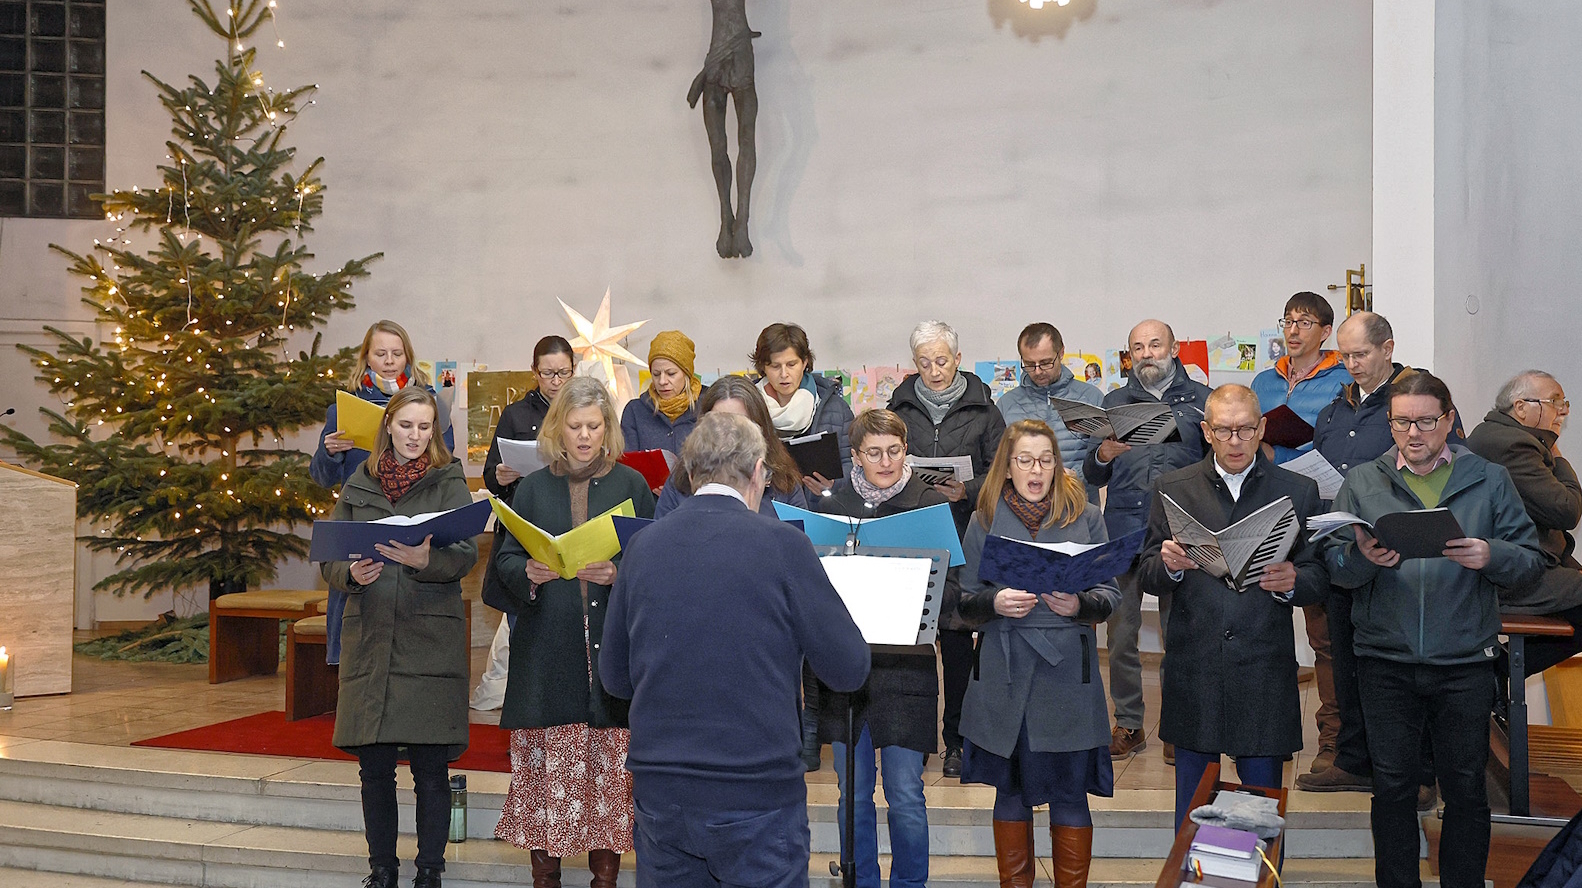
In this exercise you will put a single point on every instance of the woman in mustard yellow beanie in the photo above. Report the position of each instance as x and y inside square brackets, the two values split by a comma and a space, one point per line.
[663, 417]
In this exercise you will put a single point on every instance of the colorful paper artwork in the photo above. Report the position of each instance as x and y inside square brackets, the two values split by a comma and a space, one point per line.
[1194, 356]
[1233, 353]
[842, 377]
[872, 387]
[1117, 369]
[1000, 376]
[1271, 348]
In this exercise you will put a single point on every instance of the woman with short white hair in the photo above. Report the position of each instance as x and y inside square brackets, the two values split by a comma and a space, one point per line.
[949, 412]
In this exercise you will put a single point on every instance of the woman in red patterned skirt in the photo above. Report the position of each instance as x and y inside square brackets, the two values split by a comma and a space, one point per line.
[570, 791]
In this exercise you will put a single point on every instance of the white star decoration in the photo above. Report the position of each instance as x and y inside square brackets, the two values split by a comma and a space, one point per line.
[599, 344]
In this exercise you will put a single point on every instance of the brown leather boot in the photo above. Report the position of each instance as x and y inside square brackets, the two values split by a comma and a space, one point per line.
[606, 865]
[1013, 852]
[546, 870]
[1073, 852]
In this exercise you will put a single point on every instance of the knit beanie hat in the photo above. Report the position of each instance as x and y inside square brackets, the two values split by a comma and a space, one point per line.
[673, 345]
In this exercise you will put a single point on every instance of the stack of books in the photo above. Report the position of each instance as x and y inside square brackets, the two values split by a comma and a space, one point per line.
[1225, 854]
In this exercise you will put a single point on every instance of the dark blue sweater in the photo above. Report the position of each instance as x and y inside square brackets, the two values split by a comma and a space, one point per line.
[712, 614]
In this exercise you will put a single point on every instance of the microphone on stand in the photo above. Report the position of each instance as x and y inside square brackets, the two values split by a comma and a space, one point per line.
[851, 538]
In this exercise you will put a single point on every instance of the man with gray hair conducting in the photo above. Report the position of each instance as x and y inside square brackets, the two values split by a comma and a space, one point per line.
[714, 610]
[1522, 433]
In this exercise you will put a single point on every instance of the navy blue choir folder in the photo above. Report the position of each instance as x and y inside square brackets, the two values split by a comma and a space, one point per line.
[1030, 567]
[354, 540]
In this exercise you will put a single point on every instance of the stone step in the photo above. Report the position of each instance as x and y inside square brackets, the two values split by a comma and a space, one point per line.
[312, 794]
[42, 879]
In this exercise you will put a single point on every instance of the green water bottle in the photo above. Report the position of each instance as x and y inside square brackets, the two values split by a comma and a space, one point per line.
[458, 808]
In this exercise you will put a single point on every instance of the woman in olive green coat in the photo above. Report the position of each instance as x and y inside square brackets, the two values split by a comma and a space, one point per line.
[404, 659]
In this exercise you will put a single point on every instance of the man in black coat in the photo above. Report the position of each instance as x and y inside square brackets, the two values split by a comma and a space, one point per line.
[1230, 669]
[1522, 433]
[713, 611]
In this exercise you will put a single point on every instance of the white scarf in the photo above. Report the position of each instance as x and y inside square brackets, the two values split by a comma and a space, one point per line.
[795, 416]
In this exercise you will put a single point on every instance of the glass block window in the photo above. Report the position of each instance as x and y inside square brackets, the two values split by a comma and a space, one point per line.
[51, 107]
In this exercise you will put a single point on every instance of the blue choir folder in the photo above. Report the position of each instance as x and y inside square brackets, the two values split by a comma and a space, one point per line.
[927, 528]
[1040, 567]
[354, 540]
[626, 528]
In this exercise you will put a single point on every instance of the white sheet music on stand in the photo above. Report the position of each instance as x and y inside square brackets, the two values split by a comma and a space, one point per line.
[883, 595]
[523, 456]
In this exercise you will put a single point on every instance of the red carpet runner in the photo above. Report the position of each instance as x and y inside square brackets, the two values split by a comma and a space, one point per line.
[268, 733]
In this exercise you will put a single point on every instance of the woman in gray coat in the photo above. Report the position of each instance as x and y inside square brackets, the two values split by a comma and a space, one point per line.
[1035, 719]
[403, 673]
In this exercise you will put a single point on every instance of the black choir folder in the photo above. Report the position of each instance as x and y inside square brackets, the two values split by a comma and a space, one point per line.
[817, 455]
[1144, 423]
[354, 540]
[1419, 533]
[1239, 553]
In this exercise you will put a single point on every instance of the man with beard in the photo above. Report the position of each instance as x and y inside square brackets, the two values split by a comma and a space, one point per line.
[1045, 376]
[1130, 471]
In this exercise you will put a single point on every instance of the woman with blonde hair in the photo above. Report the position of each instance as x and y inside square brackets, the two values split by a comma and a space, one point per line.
[570, 793]
[1035, 720]
[664, 415]
[403, 682]
[385, 365]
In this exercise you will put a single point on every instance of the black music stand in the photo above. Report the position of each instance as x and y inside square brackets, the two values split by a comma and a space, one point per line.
[927, 626]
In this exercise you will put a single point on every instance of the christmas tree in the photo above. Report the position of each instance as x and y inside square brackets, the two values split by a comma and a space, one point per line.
[174, 432]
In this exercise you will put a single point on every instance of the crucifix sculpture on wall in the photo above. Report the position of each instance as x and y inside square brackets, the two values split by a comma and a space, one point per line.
[728, 74]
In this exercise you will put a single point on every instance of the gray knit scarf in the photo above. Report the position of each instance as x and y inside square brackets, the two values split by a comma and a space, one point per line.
[939, 403]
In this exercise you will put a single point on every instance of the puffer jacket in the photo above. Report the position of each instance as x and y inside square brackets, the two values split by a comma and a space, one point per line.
[1311, 394]
[1131, 475]
[1028, 401]
[1352, 431]
[1433, 611]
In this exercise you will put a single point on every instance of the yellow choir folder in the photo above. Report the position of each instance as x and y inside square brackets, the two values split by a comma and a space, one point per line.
[573, 550]
[358, 418]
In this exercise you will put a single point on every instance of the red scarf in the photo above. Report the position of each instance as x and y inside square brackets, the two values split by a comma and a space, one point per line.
[1031, 514]
[395, 479]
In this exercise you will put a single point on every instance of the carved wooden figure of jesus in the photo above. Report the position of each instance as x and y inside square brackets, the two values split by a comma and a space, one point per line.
[728, 73]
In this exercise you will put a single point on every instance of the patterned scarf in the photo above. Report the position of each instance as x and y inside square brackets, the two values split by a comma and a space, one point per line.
[939, 403]
[1031, 514]
[396, 478]
[872, 495]
[597, 469]
[375, 381]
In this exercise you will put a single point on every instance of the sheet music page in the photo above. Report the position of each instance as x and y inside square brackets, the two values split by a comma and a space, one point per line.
[883, 595]
[1084, 419]
[1142, 423]
[1315, 466]
[1199, 542]
[523, 456]
[961, 465]
[1260, 539]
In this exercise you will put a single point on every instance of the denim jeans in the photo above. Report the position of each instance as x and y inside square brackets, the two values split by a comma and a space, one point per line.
[690, 847]
[1401, 702]
[908, 818]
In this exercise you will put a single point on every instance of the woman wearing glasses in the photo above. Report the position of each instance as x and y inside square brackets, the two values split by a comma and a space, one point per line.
[895, 710]
[1035, 718]
[949, 412]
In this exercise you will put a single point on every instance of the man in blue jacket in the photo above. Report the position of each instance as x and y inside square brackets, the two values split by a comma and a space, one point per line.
[713, 612]
[1045, 376]
[1130, 471]
[1427, 629]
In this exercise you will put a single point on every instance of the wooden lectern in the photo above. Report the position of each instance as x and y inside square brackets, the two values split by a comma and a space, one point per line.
[38, 546]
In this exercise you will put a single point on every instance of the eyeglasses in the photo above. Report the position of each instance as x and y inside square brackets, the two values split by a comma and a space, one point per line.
[1556, 403]
[941, 363]
[1245, 433]
[1046, 364]
[877, 454]
[1026, 463]
[1303, 323]
[1426, 424]
[556, 374]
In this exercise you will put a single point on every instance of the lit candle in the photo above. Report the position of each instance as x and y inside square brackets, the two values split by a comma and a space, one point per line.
[7, 695]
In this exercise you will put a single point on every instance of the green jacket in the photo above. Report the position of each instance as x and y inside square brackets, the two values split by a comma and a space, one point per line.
[552, 679]
[404, 657]
[1431, 610]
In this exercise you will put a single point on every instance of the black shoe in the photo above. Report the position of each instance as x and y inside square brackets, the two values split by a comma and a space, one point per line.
[426, 878]
[380, 877]
[953, 761]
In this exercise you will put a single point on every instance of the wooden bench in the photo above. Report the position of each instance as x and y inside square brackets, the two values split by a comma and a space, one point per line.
[312, 684]
[244, 629]
[1517, 628]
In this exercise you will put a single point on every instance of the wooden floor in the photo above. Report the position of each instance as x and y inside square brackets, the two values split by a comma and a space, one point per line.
[118, 703]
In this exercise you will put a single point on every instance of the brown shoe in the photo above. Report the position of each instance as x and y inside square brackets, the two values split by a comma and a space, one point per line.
[1125, 743]
[1427, 798]
[1333, 779]
[1013, 853]
[546, 870]
[605, 866]
[1170, 754]
[1322, 762]
[1073, 851]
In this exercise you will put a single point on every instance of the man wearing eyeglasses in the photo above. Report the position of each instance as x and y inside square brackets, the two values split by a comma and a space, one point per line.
[1426, 629]
[1522, 433]
[1130, 470]
[1309, 376]
[1045, 376]
[1229, 678]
